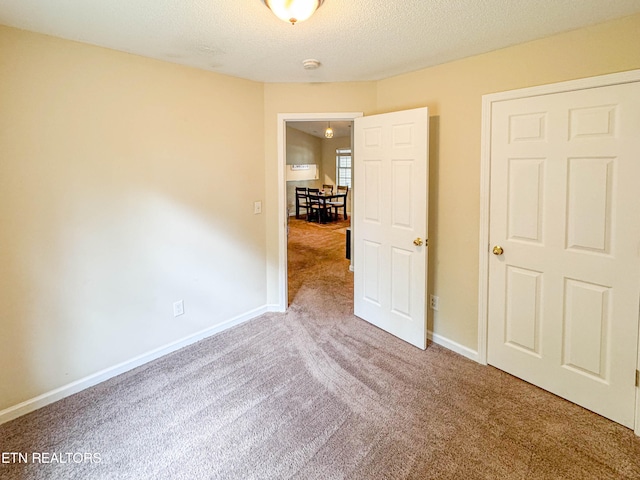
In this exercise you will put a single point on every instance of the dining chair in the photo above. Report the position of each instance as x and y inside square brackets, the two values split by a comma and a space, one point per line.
[302, 201]
[328, 188]
[318, 206]
[312, 200]
[341, 202]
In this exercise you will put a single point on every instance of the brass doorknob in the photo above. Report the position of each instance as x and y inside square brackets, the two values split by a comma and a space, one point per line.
[498, 250]
[418, 242]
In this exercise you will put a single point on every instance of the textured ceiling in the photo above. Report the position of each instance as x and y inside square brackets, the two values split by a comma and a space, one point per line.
[353, 39]
[317, 129]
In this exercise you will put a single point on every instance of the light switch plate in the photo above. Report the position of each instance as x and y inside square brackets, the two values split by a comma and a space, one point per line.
[178, 308]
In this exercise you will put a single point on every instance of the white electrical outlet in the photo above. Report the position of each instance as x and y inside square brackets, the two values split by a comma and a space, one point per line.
[178, 308]
[257, 208]
[433, 302]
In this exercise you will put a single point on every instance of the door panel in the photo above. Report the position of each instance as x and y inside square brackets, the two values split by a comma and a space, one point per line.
[586, 323]
[525, 197]
[563, 297]
[402, 196]
[372, 190]
[390, 212]
[522, 320]
[401, 282]
[371, 271]
[590, 190]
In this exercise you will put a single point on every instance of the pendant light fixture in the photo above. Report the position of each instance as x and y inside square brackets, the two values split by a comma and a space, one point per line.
[328, 132]
[293, 10]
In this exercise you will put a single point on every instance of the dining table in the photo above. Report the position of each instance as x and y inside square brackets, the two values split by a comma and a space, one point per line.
[322, 197]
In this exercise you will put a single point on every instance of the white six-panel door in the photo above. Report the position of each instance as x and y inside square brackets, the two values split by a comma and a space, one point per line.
[565, 210]
[390, 213]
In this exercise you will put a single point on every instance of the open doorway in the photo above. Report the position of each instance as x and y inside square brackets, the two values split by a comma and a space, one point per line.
[390, 205]
[318, 156]
[302, 142]
[318, 174]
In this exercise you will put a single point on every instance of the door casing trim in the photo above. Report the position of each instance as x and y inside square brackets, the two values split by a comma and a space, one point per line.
[485, 182]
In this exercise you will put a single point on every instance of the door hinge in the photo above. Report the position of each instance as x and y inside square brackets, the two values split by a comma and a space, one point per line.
[637, 378]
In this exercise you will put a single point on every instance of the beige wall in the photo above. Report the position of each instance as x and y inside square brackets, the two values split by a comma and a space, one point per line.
[453, 92]
[125, 184]
[282, 98]
[302, 149]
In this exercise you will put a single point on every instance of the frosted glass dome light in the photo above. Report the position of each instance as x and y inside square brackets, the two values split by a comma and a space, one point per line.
[293, 10]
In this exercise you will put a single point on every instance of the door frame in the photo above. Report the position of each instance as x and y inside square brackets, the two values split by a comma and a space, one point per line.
[485, 197]
[283, 118]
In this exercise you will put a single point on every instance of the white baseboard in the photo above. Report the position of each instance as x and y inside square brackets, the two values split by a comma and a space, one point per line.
[637, 427]
[453, 346]
[274, 307]
[74, 387]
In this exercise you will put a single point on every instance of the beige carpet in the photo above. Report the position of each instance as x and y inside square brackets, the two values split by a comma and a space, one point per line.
[319, 394]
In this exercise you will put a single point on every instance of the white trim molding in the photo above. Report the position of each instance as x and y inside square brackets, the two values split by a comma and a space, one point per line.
[453, 346]
[485, 193]
[637, 427]
[74, 387]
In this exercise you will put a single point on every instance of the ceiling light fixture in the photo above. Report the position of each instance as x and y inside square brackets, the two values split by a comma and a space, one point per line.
[328, 132]
[293, 10]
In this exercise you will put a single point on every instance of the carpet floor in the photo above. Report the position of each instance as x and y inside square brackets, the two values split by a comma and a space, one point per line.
[316, 393]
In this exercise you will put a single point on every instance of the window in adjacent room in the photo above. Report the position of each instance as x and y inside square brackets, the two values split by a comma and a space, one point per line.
[343, 167]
